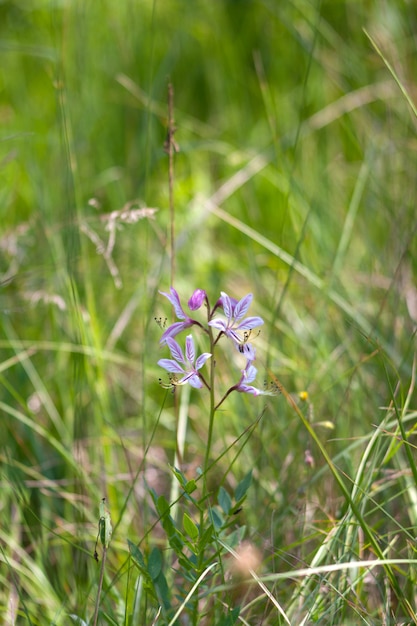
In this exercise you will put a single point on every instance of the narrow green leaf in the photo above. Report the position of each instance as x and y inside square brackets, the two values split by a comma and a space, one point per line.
[162, 505]
[217, 519]
[162, 590]
[155, 564]
[190, 527]
[139, 561]
[224, 500]
[243, 486]
[176, 541]
[190, 486]
[207, 535]
[236, 537]
[136, 555]
[186, 564]
[179, 476]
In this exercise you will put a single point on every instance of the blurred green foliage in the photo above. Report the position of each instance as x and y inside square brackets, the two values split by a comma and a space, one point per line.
[291, 123]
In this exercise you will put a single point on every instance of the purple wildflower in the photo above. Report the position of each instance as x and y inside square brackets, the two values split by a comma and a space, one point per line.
[197, 299]
[220, 302]
[248, 376]
[186, 366]
[235, 327]
[246, 349]
[194, 303]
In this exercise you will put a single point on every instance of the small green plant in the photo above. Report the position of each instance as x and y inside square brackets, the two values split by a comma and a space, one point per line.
[203, 530]
[197, 550]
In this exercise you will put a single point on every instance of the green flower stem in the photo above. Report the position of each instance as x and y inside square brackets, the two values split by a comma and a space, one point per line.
[206, 462]
[212, 408]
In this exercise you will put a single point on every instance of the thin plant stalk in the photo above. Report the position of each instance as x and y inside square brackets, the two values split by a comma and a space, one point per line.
[100, 586]
[212, 406]
[105, 530]
[170, 148]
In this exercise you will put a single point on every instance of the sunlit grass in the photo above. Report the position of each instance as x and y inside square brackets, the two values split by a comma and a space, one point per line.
[295, 181]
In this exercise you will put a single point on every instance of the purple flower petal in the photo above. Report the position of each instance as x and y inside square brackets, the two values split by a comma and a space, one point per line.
[219, 302]
[171, 366]
[195, 382]
[175, 350]
[250, 373]
[175, 329]
[242, 307]
[227, 305]
[189, 349]
[249, 389]
[235, 311]
[196, 299]
[217, 323]
[190, 370]
[201, 360]
[249, 323]
[246, 349]
[248, 376]
[174, 299]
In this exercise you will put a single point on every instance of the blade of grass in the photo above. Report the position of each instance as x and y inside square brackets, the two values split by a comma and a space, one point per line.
[191, 592]
[352, 504]
[287, 258]
[259, 582]
[37, 382]
[393, 73]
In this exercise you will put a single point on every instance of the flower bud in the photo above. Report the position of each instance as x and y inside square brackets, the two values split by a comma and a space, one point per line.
[196, 299]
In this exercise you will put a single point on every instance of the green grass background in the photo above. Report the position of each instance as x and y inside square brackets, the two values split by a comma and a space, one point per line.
[295, 181]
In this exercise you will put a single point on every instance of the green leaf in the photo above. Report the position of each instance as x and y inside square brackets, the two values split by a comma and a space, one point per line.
[176, 541]
[224, 500]
[162, 506]
[236, 537]
[139, 561]
[217, 519]
[230, 618]
[186, 564]
[190, 527]
[136, 555]
[190, 486]
[243, 486]
[155, 564]
[162, 590]
[179, 476]
[109, 619]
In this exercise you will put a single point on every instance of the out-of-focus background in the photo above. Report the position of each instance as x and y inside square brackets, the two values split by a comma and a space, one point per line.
[294, 180]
